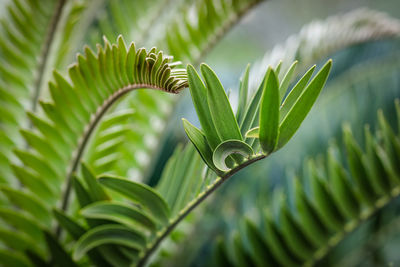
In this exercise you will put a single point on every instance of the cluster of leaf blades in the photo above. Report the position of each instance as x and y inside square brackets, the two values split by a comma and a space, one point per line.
[278, 117]
[105, 217]
[161, 16]
[113, 222]
[71, 147]
[121, 229]
[18, 59]
[62, 132]
[329, 203]
[100, 207]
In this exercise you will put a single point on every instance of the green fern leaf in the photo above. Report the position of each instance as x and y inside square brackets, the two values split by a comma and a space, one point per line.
[323, 217]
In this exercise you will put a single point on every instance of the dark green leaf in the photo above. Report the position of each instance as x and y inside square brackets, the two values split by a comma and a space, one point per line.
[269, 113]
[284, 84]
[220, 109]
[140, 193]
[72, 227]
[357, 169]
[243, 91]
[108, 234]
[199, 140]
[118, 212]
[295, 93]
[199, 98]
[94, 188]
[59, 257]
[292, 121]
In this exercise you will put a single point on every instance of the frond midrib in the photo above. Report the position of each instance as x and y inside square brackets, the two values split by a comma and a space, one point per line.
[353, 224]
[190, 206]
[45, 51]
[79, 151]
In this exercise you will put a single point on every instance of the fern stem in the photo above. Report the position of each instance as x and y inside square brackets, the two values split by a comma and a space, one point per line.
[352, 225]
[192, 205]
[87, 134]
[44, 55]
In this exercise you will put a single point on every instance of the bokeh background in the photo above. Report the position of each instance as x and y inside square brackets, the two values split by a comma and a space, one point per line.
[365, 77]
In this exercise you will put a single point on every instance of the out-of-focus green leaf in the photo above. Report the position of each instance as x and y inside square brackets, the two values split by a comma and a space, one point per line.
[108, 234]
[8, 258]
[59, 257]
[94, 188]
[358, 172]
[72, 227]
[143, 194]
[118, 212]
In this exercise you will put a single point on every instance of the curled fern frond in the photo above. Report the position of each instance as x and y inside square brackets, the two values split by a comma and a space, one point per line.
[123, 13]
[62, 133]
[330, 202]
[271, 118]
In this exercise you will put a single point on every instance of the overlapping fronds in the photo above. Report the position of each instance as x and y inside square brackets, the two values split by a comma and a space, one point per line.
[184, 177]
[72, 32]
[125, 16]
[329, 202]
[184, 184]
[321, 38]
[190, 39]
[23, 33]
[59, 137]
[113, 221]
[261, 126]
[127, 137]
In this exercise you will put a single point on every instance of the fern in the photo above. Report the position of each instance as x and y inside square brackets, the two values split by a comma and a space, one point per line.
[329, 203]
[98, 81]
[182, 193]
[190, 40]
[321, 38]
[62, 212]
[121, 13]
[18, 61]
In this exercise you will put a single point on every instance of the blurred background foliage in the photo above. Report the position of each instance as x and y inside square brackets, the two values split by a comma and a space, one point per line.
[364, 77]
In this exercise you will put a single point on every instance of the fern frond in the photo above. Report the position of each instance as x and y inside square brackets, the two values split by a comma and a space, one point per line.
[121, 13]
[225, 143]
[321, 38]
[62, 133]
[183, 178]
[190, 40]
[141, 131]
[25, 22]
[330, 202]
[180, 193]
